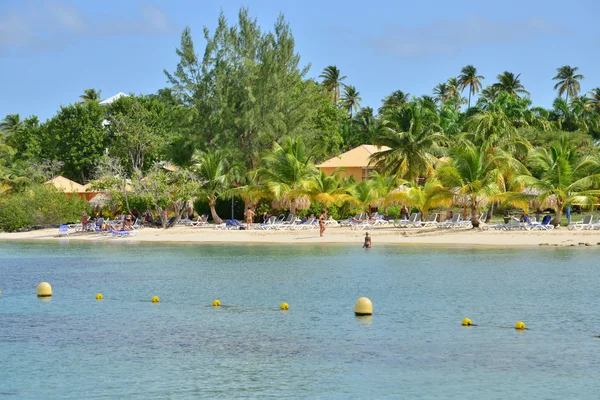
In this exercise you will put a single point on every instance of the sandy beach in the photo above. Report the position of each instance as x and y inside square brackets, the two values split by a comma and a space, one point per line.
[388, 236]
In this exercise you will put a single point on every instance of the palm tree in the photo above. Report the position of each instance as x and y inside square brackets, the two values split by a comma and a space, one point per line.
[351, 99]
[365, 195]
[562, 179]
[216, 174]
[442, 92]
[394, 100]
[412, 135]
[286, 170]
[424, 197]
[364, 128]
[595, 99]
[385, 186]
[511, 84]
[327, 189]
[468, 77]
[90, 95]
[472, 174]
[332, 80]
[488, 95]
[568, 81]
[11, 124]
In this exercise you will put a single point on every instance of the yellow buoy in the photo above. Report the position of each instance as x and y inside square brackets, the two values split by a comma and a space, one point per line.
[99, 296]
[363, 306]
[155, 299]
[466, 322]
[520, 325]
[216, 303]
[44, 290]
[284, 306]
[0, 292]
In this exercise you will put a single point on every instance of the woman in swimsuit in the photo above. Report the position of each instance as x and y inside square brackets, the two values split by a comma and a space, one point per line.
[322, 222]
[249, 218]
[367, 244]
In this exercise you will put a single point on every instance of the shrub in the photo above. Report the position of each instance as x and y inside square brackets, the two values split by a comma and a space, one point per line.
[39, 205]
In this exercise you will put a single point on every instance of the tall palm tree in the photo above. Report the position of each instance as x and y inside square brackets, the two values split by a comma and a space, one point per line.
[441, 92]
[286, 169]
[562, 180]
[412, 134]
[11, 124]
[364, 128]
[351, 99]
[568, 81]
[468, 77]
[511, 84]
[332, 80]
[90, 95]
[215, 173]
[394, 100]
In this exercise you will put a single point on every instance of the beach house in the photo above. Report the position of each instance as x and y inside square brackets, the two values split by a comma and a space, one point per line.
[356, 162]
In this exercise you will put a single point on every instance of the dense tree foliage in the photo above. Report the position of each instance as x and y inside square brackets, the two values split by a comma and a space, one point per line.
[240, 117]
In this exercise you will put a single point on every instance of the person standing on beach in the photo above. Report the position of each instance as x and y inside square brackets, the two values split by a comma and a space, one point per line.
[367, 244]
[322, 223]
[84, 222]
[249, 218]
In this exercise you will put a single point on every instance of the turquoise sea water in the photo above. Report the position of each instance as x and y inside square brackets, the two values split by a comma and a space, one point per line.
[414, 346]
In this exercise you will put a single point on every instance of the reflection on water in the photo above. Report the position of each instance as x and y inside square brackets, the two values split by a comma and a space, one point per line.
[414, 346]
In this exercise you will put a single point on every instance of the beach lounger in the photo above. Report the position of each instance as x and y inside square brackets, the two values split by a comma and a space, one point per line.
[585, 223]
[431, 221]
[63, 230]
[403, 223]
[349, 221]
[121, 234]
[544, 225]
[269, 224]
[451, 223]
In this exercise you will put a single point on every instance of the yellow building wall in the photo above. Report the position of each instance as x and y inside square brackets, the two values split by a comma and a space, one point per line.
[356, 172]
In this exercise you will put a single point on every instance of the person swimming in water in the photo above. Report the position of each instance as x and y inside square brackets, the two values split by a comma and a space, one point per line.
[367, 244]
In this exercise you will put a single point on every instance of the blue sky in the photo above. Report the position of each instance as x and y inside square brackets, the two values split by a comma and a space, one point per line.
[50, 51]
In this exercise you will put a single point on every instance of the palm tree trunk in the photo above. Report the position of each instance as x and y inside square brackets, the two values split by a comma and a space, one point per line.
[470, 90]
[490, 211]
[474, 219]
[558, 216]
[213, 211]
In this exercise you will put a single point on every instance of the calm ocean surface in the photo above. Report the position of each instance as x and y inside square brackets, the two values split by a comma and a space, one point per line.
[74, 347]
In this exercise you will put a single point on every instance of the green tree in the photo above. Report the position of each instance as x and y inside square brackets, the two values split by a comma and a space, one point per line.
[595, 100]
[327, 189]
[138, 129]
[11, 124]
[412, 135]
[248, 89]
[215, 173]
[332, 81]
[75, 136]
[285, 169]
[473, 174]
[90, 95]
[560, 178]
[351, 99]
[468, 78]
[568, 81]
[424, 197]
[394, 100]
[511, 84]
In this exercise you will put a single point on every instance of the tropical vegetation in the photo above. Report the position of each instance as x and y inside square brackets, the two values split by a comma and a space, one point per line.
[242, 122]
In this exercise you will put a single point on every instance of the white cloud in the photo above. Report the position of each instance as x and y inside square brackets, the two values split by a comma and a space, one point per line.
[49, 25]
[443, 37]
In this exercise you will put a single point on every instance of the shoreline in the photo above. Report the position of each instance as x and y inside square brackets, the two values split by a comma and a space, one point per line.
[334, 235]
